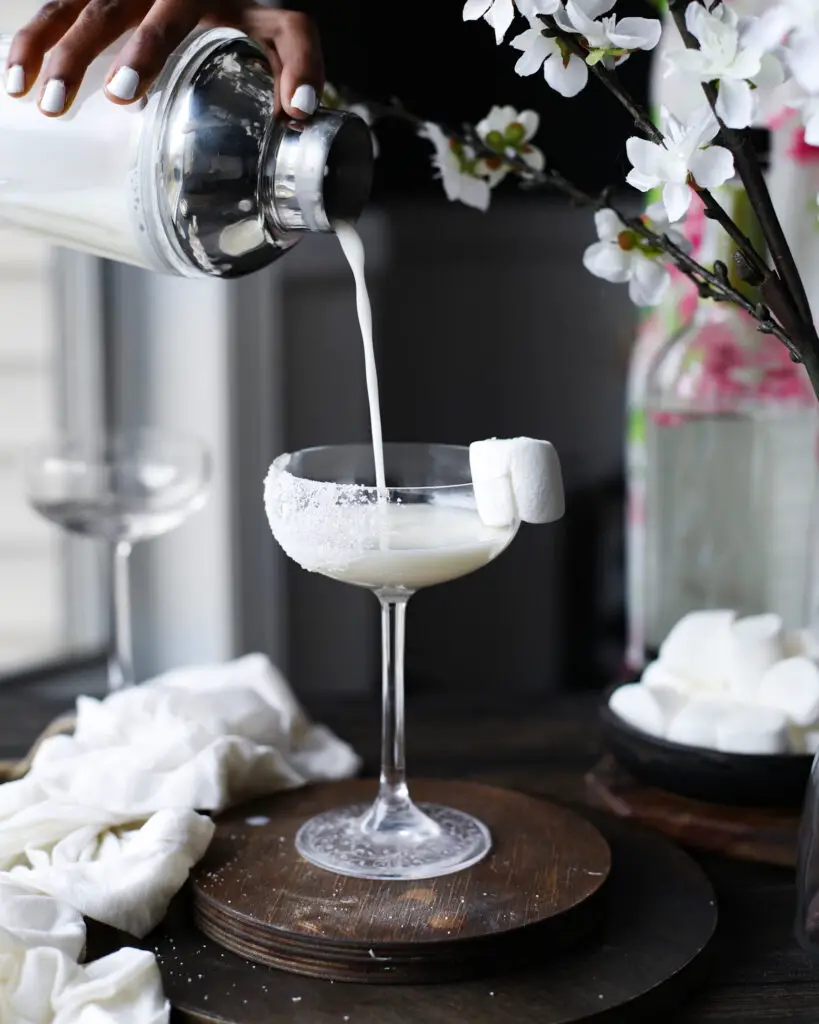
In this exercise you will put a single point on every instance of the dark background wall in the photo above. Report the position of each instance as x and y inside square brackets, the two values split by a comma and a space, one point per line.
[450, 71]
[487, 324]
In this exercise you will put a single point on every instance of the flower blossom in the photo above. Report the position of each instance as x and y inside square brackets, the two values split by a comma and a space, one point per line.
[621, 255]
[460, 171]
[734, 52]
[508, 133]
[685, 160]
[606, 38]
[500, 13]
[799, 20]
[564, 71]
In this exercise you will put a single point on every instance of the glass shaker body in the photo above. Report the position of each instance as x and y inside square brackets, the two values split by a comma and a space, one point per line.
[198, 179]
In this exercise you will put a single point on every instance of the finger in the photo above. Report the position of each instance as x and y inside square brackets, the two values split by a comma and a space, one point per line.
[100, 24]
[295, 40]
[30, 45]
[165, 26]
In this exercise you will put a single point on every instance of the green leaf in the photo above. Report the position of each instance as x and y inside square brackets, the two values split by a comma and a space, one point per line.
[595, 56]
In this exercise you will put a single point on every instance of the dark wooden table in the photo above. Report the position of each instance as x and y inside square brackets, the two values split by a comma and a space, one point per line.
[542, 746]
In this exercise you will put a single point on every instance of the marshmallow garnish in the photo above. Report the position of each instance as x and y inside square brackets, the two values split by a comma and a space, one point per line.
[520, 473]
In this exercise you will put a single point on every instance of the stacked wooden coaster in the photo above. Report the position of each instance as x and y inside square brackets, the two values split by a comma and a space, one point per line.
[539, 889]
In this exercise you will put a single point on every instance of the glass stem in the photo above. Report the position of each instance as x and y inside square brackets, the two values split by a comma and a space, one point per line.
[393, 812]
[121, 659]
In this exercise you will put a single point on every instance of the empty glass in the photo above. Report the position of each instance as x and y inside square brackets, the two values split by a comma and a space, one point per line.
[121, 488]
[425, 529]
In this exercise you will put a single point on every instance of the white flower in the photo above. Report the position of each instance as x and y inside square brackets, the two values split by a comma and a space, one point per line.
[500, 13]
[809, 107]
[621, 256]
[608, 37]
[736, 53]
[456, 167]
[799, 19]
[565, 72]
[508, 133]
[686, 153]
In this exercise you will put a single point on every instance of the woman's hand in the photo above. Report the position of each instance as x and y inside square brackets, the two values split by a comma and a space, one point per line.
[75, 32]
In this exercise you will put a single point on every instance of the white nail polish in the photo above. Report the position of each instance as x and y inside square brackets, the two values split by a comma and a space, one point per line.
[53, 98]
[16, 80]
[124, 84]
[304, 98]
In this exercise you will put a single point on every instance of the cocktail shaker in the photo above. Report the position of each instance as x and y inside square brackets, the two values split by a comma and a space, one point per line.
[199, 179]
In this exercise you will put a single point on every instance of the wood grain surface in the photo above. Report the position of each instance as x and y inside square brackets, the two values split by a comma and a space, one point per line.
[651, 952]
[756, 834]
[539, 887]
[545, 744]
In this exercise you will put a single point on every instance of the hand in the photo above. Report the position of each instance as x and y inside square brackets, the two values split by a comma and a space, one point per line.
[75, 32]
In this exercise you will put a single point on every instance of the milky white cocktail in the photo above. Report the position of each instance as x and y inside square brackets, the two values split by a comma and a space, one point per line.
[328, 515]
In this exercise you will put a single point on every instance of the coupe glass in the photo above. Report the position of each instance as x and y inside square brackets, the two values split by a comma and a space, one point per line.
[328, 516]
[120, 487]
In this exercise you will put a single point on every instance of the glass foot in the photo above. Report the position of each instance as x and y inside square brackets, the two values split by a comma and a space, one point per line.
[336, 842]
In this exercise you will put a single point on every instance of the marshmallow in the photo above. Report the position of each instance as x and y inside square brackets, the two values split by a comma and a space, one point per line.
[495, 500]
[648, 709]
[698, 648]
[537, 481]
[520, 474]
[696, 724]
[792, 686]
[753, 730]
[656, 675]
[756, 645]
[801, 642]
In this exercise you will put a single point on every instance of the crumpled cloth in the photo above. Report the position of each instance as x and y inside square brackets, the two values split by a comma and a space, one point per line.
[107, 818]
[41, 981]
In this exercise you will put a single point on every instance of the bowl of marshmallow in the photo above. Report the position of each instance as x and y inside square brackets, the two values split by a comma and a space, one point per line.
[728, 713]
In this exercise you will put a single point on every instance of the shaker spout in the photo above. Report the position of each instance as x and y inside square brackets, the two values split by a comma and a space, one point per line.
[318, 171]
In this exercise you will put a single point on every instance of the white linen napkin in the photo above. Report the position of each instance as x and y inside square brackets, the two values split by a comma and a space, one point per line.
[41, 982]
[106, 819]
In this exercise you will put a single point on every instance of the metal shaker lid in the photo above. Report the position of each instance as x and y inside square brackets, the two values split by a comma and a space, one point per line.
[319, 171]
[234, 185]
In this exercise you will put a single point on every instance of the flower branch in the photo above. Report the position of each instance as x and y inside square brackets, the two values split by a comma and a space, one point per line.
[606, 76]
[739, 61]
[784, 289]
[711, 284]
[576, 45]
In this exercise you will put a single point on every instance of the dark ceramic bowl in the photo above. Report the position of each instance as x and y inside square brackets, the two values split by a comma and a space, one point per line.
[752, 780]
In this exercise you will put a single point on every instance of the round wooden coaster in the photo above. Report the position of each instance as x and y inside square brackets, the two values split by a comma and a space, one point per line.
[660, 918]
[539, 889]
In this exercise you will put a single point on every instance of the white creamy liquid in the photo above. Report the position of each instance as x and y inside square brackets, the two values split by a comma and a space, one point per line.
[353, 249]
[419, 546]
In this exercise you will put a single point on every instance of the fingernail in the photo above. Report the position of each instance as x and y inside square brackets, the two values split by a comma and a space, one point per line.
[304, 99]
[53, 98]
[124, 84]
[16, 80]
